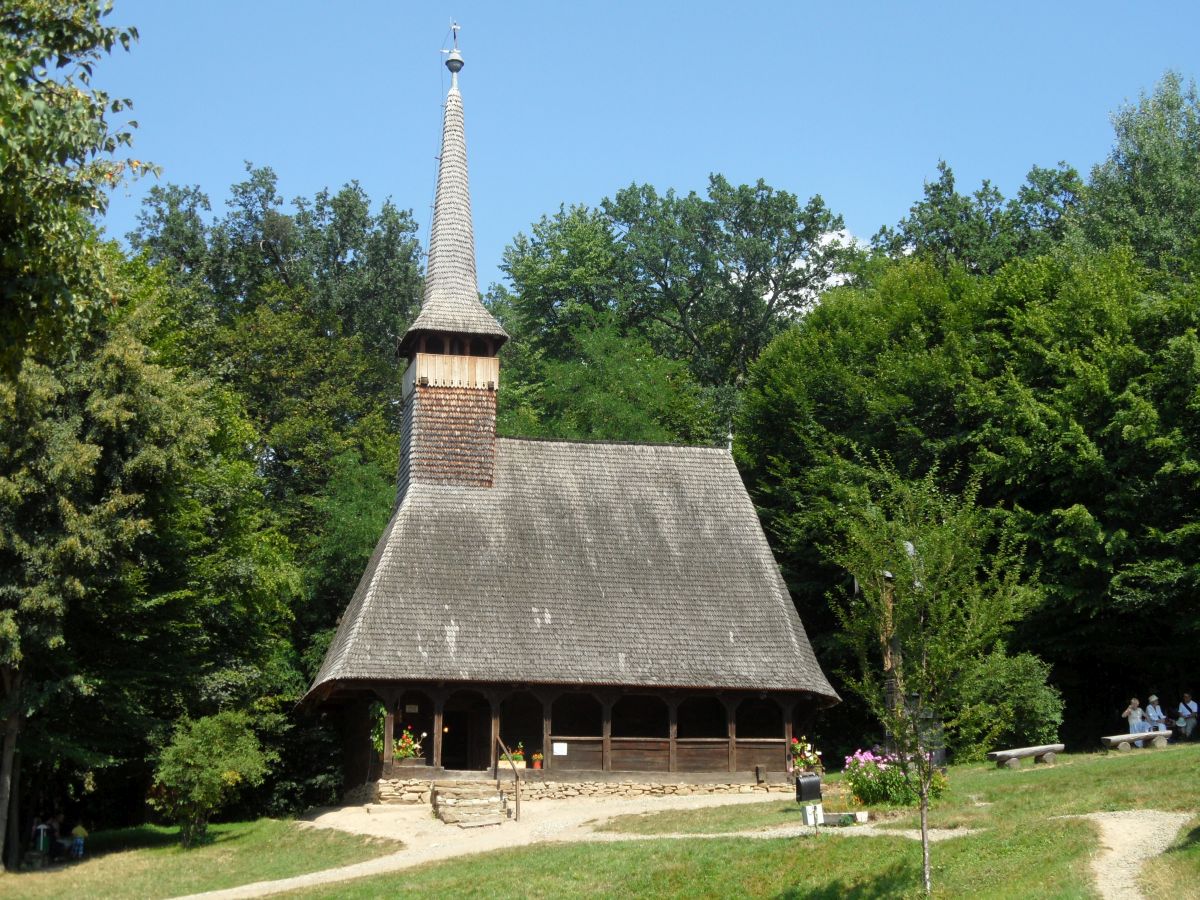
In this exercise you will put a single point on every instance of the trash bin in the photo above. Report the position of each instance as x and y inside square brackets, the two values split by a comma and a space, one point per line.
[808, 787]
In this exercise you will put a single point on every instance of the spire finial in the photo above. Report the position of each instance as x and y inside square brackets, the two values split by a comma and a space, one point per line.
[454, 60]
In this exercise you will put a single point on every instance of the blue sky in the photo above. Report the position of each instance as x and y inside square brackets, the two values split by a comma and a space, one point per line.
[566, 103]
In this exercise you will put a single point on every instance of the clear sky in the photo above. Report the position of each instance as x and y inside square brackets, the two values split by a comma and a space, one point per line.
[567, 102]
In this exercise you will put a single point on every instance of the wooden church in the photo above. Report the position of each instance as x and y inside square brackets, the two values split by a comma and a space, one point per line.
[614, 606]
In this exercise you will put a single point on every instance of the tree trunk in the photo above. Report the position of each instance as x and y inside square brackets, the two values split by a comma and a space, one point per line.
[12, 727]
[925, 836]
[14, 817]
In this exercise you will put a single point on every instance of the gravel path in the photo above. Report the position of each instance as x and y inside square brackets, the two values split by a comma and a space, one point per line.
[1127, 840]
[428, 840]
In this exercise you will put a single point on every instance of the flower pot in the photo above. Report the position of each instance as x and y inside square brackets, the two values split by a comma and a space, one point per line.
[537, 763]
[412, 761]
[519, 763]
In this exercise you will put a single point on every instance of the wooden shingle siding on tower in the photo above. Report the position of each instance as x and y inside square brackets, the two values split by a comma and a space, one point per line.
[603, 564]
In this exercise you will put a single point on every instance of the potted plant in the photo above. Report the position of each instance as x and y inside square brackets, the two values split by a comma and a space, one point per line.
[805, 757]
[518, 755]
[537, 760]
[408, 748]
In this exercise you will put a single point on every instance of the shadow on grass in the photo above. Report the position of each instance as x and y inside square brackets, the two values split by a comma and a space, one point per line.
[892, 882]
[139, 837]
[1187, 843]
[150, 837]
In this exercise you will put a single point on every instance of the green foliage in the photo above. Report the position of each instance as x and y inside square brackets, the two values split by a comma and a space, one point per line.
[57, 150]
[613, 387]
[205, 765]
[875, 779]
[1004, 701]
[1147, 193]
[981, 231]
[1061, 382]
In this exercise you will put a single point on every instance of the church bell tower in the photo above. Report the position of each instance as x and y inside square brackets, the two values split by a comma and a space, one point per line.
[448, 430]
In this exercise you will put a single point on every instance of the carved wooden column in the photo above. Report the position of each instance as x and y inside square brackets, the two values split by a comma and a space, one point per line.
[547, 710]
[731, 705]
[439, 723]
[607, 702]
[673, 734]
[494, 702]
[787, 705]
[389, 729]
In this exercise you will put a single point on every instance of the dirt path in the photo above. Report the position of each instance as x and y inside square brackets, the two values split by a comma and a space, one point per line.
[429, 840]
[1127, 840]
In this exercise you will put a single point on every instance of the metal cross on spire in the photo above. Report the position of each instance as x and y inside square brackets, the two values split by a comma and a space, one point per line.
[454, 60]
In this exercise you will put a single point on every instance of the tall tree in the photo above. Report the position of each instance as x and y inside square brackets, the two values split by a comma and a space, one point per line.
[717, 277]
[1147, 193]
[982, 231]
[136, 566]
[57, 160]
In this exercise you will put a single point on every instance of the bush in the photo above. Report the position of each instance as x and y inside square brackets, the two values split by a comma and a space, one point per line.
[876, 778]
[203, 768]
[1004, 701]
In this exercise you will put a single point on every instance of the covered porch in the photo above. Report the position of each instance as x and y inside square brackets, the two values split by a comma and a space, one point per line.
[594, 729]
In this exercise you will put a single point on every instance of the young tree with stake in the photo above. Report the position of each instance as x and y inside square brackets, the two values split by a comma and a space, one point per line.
[939, 583]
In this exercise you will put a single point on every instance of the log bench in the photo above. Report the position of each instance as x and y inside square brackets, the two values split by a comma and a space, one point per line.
[1011, 759]
[1124, 742]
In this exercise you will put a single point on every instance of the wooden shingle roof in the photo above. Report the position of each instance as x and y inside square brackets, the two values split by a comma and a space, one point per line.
[451, 299]
[603, 564]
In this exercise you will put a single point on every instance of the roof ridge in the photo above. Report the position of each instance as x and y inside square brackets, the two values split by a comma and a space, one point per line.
[591, 442]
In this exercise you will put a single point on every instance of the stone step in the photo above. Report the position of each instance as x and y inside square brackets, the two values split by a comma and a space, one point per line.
[480, 822]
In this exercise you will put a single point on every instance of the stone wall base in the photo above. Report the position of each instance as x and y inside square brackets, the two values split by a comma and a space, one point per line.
[418, 790]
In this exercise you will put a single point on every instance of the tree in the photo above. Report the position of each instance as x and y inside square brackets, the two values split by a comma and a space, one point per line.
[938, 587]
[981, 231]
[207, 762]
[716, 278]
[57, 150]
[130, 518]
[1147, 193]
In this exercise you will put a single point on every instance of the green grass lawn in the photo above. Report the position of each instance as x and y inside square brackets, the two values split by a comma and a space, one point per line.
[1023, 849]
[147, 862]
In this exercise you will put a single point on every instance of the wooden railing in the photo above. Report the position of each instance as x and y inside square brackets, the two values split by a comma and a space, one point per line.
[504, 751]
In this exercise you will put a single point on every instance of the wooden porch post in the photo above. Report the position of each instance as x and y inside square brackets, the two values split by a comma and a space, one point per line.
[787, 706]
[547, 750]
[389, 729]
[606, 751]
[439, 718]
[731, 705]
[673, 733]
[493, 755]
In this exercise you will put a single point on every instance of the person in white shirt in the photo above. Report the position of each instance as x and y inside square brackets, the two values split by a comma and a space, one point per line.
[1137, 719]
[1154, 714]
[1188, 710]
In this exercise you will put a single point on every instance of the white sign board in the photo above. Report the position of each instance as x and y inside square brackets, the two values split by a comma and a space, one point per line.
[560, 748]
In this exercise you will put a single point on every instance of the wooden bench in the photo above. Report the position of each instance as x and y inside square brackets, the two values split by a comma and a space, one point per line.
[1011, 759]
[1124, 742]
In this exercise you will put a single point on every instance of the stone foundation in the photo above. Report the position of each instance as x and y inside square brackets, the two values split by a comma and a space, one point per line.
[418, 790]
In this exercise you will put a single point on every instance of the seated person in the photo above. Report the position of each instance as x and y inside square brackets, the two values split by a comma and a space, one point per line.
[1188, 711]
[1154, 714]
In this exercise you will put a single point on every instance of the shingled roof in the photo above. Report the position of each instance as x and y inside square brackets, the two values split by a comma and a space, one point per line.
[451, 300]
[602, 564]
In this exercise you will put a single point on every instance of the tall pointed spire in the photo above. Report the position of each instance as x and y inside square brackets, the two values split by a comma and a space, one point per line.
[451, 302]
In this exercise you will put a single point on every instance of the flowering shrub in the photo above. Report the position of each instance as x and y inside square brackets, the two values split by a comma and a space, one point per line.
[409, 747]
[876, 778]
[518, 752]
[804, 754]
[537, 757]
